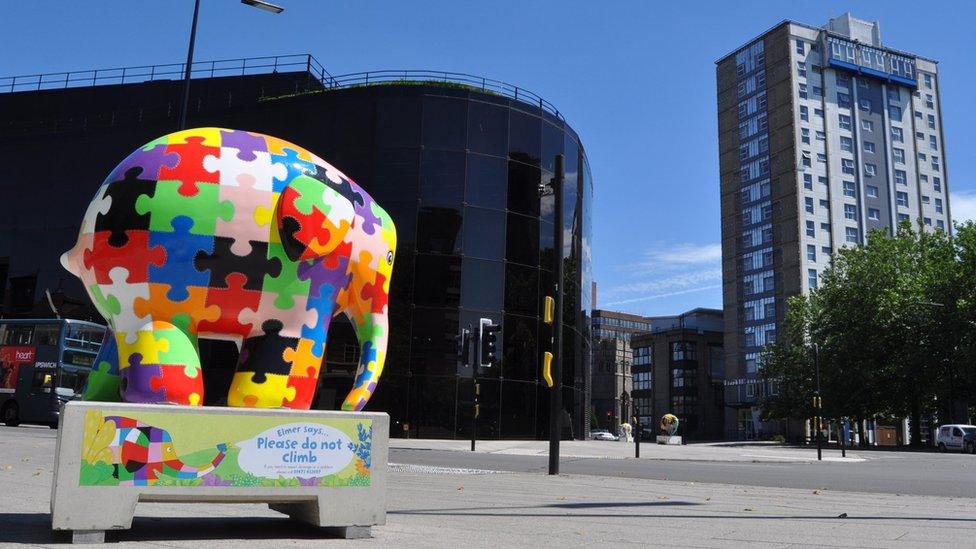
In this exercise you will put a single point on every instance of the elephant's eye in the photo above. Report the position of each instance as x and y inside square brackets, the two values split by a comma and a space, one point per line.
[389, 257]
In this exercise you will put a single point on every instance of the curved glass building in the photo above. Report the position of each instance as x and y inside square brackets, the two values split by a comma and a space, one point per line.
[458, 167]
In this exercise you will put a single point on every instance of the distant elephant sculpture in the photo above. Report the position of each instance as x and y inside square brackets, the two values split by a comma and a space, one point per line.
[228, 234]
[141, 453]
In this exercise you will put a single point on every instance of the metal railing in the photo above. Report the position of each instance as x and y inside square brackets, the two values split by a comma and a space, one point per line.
[265, 65]
[459, 79]
[171, 71]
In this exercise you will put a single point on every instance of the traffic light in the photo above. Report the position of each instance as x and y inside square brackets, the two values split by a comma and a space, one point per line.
[488, 338]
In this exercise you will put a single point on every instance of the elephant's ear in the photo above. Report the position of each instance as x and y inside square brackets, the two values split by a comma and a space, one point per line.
[312, 218]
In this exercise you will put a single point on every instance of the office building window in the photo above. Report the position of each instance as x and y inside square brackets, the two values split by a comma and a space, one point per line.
[821, 136]
[800, 48]
[893, 94]
[805, 158]
[850, 211]
[898, 155]
[927, 221]
[925, 199]
[804, 113]
[867, 125]
[863, 83]
[870, 170]
[872, 191]
[902, 218]
[805, 135]
[919, 135]
[808, 204]
[808, 182]
[936, 183]
[822, 179]
[923, 178]
[825, 227]
[803, 91]
[865, 104]
[824, 203]
[843, 100]
[933, 143]
[818, 112]
[922, 157]
[847, 166]
[900, 177]
[849, 189]
[868, 147]
[894, 112]
[902, 198]
[801, 69]
[918, 114]
[897, 135]
[821, 157]
[874, 214]
[812, 278]
[927, 78]
[928, 101]
[935, 162]
[931, 120]
[844, 121]
[817, 91]
[846, 144]
[938, 205]
[851, 234]
[811, 252]
[940, 224]
[811, 229]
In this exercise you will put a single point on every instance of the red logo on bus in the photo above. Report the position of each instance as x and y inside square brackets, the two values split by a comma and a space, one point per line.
[11, 357]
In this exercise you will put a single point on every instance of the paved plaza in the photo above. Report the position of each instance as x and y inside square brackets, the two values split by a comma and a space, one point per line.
[440, 506]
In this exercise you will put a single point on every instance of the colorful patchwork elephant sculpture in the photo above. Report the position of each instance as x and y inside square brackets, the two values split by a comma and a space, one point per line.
[228, 234]
[140, 453]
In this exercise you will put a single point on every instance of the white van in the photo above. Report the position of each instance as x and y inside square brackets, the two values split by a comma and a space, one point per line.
[956, 437]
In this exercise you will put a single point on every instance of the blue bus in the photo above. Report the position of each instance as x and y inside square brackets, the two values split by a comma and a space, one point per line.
[43, 363]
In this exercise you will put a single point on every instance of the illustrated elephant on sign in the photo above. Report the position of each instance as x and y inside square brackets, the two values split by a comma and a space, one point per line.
[228, 234]
[141, 453]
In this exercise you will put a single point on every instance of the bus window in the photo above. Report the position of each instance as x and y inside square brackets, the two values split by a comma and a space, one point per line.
[85, 338]
[18, 334]
[47, 334]
[71, 382]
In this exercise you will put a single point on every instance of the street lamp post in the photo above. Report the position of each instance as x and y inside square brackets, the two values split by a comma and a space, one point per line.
[818, 404]
[555, 189]
[185, 105]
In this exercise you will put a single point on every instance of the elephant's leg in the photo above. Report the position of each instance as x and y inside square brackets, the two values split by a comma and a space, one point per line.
[162, 366]
[103, 380]
[275, 371]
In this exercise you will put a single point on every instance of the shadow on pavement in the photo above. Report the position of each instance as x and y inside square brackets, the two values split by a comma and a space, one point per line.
[36, 528]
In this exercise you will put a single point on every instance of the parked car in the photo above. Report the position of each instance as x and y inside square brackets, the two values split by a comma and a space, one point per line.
[602, 434]
[956, 437]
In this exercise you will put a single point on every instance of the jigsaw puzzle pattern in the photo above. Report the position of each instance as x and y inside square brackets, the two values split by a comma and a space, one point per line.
[141, 453]
[229, 234]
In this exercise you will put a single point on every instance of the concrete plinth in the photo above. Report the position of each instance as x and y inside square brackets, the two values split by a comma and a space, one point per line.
[325, 468]
[669, 440]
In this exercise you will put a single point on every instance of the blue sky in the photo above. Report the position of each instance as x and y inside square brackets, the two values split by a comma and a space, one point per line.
[636, 80]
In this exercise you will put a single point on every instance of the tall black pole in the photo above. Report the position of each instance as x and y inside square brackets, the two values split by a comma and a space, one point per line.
[819, 407]
[189, 65]
[556, 400]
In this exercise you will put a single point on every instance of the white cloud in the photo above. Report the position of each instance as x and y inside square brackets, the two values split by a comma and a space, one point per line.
[666, 294]
[963, 206]
[666, 270]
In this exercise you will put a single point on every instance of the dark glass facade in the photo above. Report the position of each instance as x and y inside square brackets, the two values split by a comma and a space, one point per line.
[458, 170]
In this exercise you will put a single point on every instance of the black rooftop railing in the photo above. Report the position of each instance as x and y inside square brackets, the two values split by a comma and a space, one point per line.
[266, 65]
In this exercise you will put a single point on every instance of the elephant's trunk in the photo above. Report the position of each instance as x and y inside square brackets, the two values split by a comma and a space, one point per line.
[372, 334]
[188, 471]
